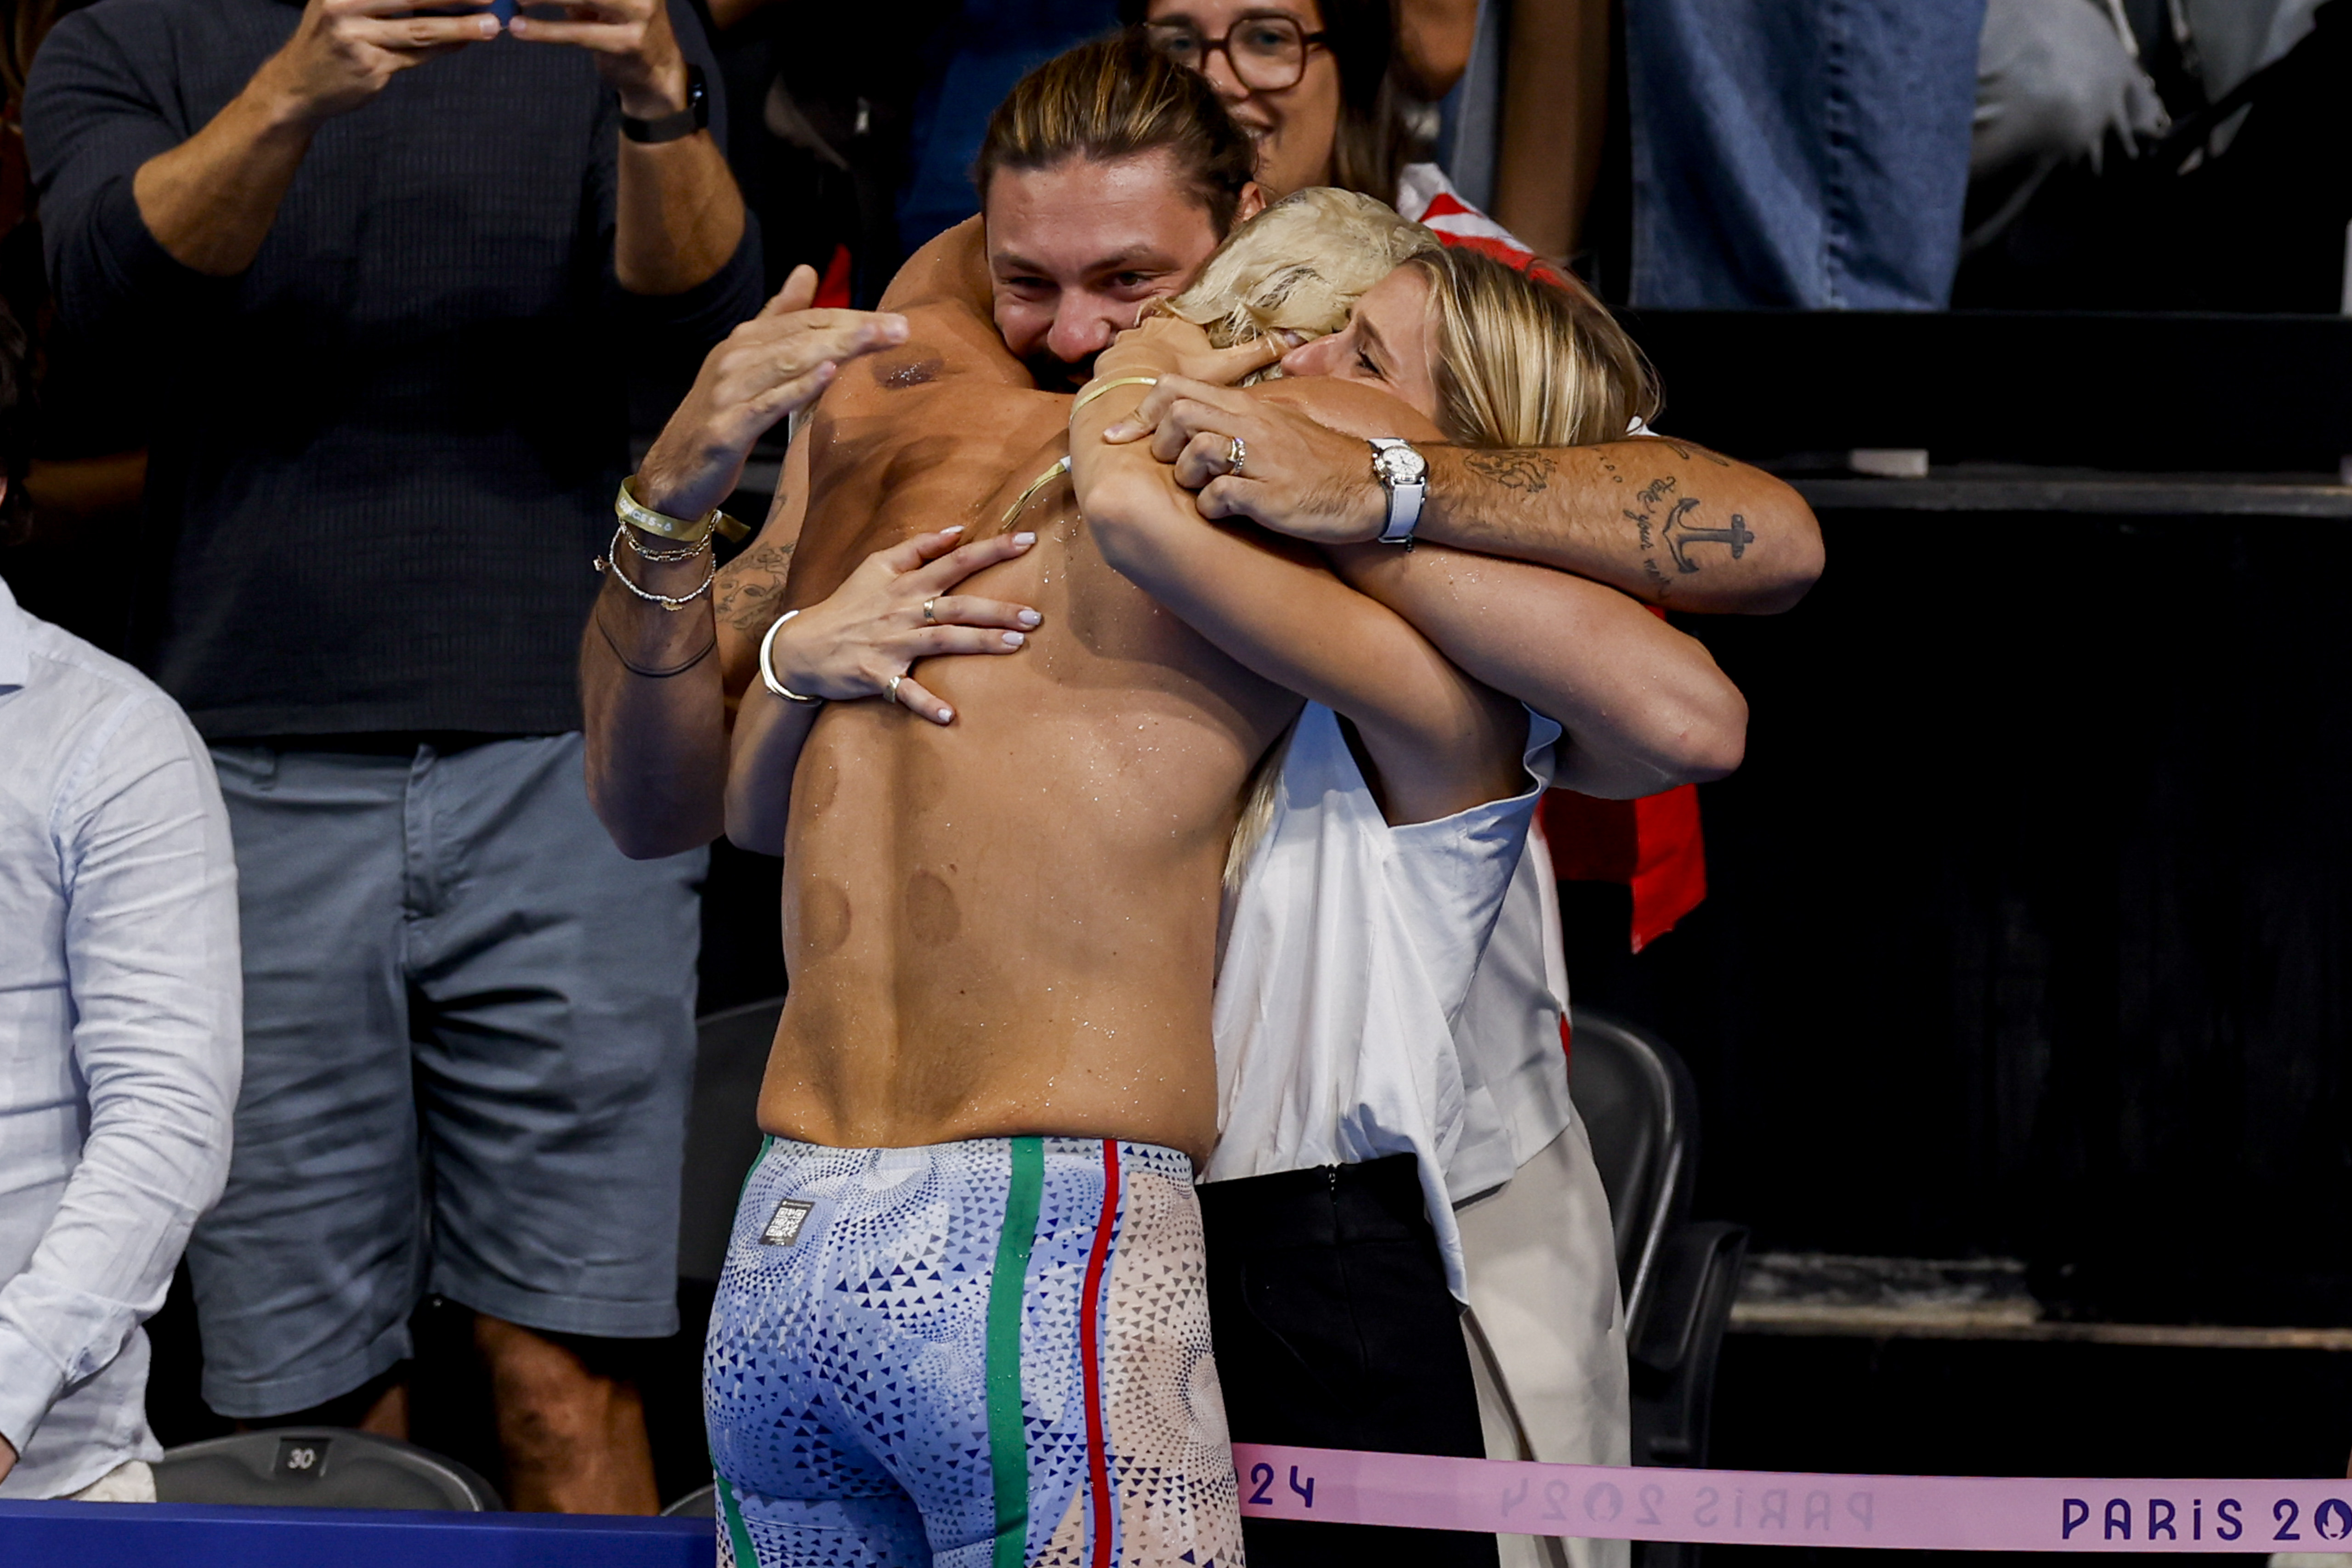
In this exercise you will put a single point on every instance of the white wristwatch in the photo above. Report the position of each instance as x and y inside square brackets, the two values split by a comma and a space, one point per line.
[1404, 474]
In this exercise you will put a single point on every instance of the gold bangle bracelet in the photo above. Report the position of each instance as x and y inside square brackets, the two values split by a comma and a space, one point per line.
[1096, 389]
[682, 531]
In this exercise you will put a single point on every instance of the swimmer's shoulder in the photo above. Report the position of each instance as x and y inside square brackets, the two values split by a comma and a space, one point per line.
[951, 267]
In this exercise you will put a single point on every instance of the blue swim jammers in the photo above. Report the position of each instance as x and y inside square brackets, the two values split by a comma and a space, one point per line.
[982, 1354]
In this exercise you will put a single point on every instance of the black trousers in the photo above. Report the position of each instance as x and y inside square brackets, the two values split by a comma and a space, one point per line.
[1334, 1330]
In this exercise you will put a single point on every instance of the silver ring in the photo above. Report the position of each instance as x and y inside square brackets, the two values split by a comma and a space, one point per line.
[1236, 454]
[890, 691]
[927, 610]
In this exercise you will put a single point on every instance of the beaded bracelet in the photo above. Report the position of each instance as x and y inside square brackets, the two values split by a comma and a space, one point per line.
[611, 558]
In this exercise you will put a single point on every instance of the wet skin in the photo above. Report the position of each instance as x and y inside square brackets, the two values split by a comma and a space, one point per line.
[1007, 925]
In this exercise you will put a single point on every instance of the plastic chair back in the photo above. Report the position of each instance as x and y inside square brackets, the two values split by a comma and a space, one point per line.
[320, 1467]
[1641, 1111]
[702, 1502]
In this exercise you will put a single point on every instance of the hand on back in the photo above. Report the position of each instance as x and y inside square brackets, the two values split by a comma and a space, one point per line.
[894, 609]
[773, 365]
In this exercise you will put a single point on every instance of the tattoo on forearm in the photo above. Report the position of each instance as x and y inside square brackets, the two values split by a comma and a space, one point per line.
[1527, 471]
[751, 589]
[1662, 521]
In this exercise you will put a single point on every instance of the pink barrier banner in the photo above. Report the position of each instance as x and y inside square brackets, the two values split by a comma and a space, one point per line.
[1765, 1508]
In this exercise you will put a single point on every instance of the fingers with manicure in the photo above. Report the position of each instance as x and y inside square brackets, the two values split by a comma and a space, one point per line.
[895, 610]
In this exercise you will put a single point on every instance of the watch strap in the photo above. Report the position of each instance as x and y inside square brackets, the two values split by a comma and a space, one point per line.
[693, 117]
[1405, 500]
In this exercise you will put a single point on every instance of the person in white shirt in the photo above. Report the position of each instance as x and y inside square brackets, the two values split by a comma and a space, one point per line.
[120, 1037]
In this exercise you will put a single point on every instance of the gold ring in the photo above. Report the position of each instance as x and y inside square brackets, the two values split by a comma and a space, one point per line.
[1236, 454]
[890, 691]
[927, 610]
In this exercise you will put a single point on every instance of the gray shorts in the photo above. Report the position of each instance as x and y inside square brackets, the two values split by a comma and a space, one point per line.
[470, 1042]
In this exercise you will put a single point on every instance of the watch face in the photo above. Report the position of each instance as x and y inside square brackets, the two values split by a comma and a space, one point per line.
[1400, 466]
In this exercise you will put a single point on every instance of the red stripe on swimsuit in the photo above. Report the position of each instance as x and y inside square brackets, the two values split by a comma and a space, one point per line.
[1090, 1358]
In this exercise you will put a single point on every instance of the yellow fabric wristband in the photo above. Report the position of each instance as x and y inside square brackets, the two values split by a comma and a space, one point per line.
[686, 531]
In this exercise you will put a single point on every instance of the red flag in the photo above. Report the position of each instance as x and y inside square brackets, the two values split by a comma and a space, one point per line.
[1653, 845]
[833, 289]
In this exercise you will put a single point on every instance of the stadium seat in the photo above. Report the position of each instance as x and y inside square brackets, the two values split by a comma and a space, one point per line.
[702, 1502]
[1641, 1111]
[320, 1467]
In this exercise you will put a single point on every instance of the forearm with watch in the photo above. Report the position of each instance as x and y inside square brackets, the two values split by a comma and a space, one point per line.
[678, 215]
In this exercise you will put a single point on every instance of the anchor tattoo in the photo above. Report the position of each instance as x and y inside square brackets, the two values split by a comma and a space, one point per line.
[1678, 534]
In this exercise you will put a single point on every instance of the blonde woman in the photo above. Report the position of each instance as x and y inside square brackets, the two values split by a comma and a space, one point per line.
[1339, 1264]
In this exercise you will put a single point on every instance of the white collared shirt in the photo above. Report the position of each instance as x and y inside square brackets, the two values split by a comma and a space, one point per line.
[1351, 952]
[120, 1040]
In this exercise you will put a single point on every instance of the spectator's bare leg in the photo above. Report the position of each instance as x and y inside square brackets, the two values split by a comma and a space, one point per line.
[574, 1440]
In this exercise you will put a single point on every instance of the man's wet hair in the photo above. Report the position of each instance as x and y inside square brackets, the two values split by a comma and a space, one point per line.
[1120, 97]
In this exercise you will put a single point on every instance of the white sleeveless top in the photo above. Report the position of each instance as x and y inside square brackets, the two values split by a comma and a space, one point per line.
[1350, 957]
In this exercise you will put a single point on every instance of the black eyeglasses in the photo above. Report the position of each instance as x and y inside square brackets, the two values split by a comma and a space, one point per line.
[1269, 52]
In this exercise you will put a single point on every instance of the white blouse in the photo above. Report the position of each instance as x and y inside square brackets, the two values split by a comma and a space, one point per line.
[1350, 956]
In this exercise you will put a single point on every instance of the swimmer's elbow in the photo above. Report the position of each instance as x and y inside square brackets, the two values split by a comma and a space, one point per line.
[1796, 556]
[1713, 743]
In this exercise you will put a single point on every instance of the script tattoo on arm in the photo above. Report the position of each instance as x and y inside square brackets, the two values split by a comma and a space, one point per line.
[751, 589]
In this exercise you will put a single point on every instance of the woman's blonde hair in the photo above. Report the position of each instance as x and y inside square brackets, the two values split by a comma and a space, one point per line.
[1518, 361]
[1300, 266]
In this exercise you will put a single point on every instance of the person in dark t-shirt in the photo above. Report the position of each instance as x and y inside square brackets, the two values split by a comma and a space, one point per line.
[389, 271]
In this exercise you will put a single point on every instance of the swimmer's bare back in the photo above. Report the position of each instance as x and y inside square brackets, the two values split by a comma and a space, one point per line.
[1004, 925]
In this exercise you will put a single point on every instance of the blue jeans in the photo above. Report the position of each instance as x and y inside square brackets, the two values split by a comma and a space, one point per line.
[1810, 155]
[970, 69]
[468, 1044]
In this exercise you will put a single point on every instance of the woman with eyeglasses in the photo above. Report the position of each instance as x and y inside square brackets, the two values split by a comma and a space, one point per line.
[1326, 89]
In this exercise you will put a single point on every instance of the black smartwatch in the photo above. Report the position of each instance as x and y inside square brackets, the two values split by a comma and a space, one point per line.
[693, 117]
